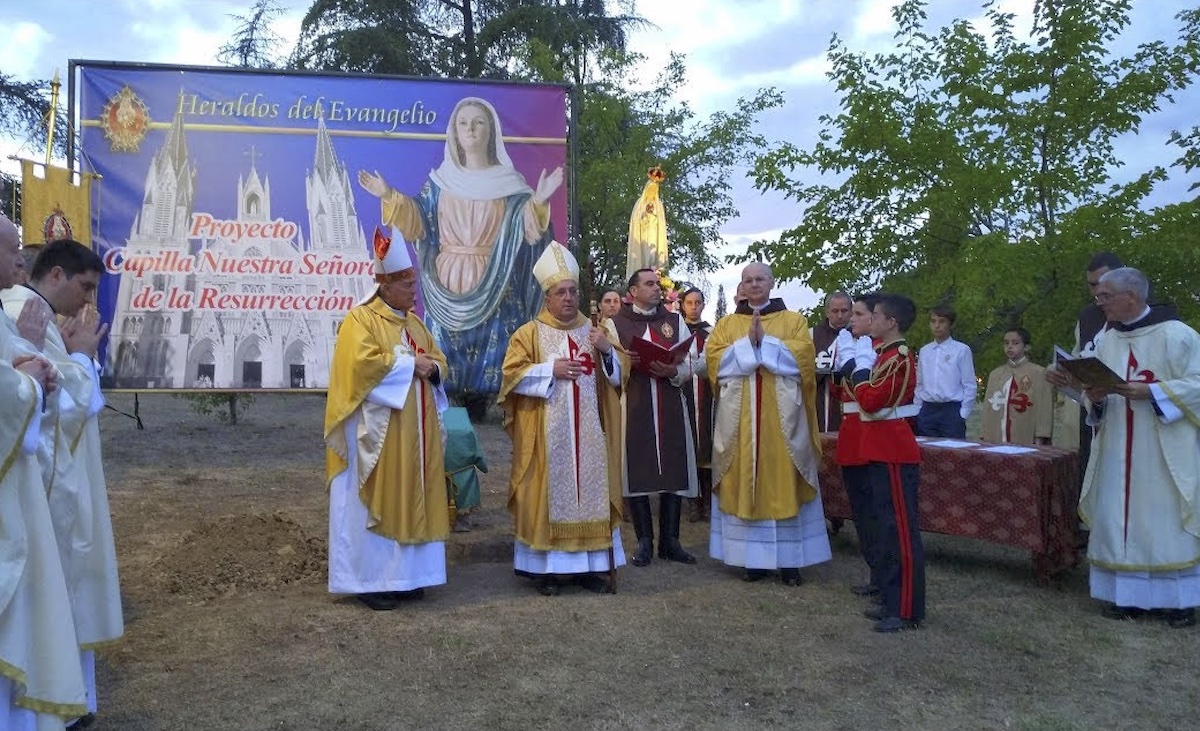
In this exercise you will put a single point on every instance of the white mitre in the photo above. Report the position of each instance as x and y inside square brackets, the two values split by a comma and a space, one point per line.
[556, 264]
[391, 257]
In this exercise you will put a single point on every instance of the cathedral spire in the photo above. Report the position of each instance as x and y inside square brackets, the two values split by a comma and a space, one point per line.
[175, 147]
[326, 162]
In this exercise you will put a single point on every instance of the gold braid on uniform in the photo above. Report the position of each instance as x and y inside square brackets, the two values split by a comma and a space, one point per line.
[879, 375]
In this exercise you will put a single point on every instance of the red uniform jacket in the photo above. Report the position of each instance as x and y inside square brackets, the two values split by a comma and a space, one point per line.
[847, 453]
[889, 384]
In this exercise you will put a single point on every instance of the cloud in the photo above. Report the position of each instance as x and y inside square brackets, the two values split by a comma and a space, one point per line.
[872, 21]
[23, 44]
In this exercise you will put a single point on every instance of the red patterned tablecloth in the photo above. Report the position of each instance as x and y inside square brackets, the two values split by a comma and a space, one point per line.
[1024, 500]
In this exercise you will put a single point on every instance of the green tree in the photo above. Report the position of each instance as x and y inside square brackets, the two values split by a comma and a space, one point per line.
[722, 306]
[254, 44]
[623, 131]
[976, 167]
[24, 109]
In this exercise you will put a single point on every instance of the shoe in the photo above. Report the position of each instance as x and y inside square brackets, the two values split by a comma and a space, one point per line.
[643, 526]
[547, 585]
[755, 574]
[865, 590]
[1112, 611]
[82, 722]
[889, 625]
[669, 547]
[875, 614]
[380, 601]
[1181, 618]
[410, 595]
[790, 577]
[594, 582]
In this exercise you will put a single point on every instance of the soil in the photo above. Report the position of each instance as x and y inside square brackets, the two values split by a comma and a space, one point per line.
[221, 538]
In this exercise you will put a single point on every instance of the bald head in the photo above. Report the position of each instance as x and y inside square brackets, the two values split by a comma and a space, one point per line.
[757, 282]
[11, 263]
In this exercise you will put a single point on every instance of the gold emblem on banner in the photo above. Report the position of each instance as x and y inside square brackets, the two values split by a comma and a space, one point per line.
[125, 120]
[668, 331]
[57, 227]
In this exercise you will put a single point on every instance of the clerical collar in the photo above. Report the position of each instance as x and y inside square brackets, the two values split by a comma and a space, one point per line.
[39, 294]
[1151, 315]
[1018, 361]
[1129, 323]
[641, 311]
[773, 305]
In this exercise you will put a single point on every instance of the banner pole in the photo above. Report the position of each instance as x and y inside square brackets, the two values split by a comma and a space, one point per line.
[55, 85]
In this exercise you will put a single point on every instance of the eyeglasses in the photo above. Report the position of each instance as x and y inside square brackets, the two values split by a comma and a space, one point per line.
[1103, 297]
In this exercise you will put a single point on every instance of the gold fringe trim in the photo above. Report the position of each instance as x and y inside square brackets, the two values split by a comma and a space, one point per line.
[589, 529]
[40, 705]
[16, 450]
[1180, 405]
[101, 644]
[1147, 567]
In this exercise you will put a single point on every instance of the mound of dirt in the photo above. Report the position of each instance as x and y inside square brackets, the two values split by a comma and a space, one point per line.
[240, 553]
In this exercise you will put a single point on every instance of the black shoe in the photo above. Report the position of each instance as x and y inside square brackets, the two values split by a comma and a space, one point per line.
[865, 590]
[790, 577]
[643, 554]
[668, 530]
[643, 526]
[875, 614]
[410, 595]
[1112, 611]
[380, 601]
[755, 574]
[1180, 618]
[547, 585]
[82, 722]
[888, 625]
[594, 582]
[671, 550]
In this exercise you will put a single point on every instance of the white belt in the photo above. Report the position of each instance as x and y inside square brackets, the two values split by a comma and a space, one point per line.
[907, 411]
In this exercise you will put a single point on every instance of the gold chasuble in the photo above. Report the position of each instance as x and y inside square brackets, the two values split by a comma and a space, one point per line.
[565, 486]
[766, 446]
[400, 458]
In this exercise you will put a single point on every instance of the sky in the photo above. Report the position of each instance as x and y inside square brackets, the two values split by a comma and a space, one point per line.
[732, 47]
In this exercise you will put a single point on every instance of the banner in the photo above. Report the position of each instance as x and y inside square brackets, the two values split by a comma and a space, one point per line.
[237, 207]
[53, 207]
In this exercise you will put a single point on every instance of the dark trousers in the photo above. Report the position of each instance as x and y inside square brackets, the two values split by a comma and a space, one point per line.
[941, 419]
[866, 524]
[901, 555]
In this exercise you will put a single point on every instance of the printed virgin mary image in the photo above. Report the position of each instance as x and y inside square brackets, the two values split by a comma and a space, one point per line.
[477, 228]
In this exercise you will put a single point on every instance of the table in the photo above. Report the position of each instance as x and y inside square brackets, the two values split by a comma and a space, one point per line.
[1023, 500]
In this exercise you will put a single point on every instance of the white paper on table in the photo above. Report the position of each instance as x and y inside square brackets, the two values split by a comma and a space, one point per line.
[1008, 449]
[952, 444]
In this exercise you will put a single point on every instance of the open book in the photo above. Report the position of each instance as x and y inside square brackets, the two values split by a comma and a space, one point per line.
[649, 352]
[1088, 371]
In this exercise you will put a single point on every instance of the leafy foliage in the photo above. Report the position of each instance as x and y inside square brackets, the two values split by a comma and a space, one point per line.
[225, 406]
[979, 169]
[24, 109]
[254, 44]
[623, 131]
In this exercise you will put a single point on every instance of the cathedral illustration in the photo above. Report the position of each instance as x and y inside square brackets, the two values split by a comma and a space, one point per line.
[172, 347]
